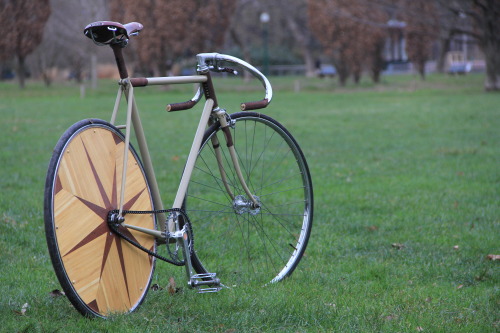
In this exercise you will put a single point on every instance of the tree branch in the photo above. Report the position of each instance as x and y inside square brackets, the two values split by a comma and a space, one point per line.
[456, 31]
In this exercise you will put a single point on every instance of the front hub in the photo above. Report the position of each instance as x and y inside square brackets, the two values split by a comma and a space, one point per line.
[242, 204]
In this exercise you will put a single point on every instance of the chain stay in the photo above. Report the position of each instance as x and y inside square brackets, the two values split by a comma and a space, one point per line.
[114, 221]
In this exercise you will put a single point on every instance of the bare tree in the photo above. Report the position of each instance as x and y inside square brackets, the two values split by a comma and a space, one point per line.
[64, 47]
[174, 28]
[421, 31]
[448, 22]
[480, 19]
[351, 32]
[24, 21]
[295, 16]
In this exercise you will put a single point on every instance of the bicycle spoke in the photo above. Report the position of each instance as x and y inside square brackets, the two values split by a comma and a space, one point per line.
[244, 243]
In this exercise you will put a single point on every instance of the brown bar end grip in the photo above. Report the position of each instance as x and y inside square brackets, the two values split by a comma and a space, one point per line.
[180, 106]
[254, 105]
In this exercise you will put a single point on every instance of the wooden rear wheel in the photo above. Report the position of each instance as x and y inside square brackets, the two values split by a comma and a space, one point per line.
[100, 273]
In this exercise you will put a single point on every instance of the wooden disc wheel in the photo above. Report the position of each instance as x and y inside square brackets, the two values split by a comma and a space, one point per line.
[100, 272]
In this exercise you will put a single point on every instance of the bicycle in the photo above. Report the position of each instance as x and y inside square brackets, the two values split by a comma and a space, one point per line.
[243, 209]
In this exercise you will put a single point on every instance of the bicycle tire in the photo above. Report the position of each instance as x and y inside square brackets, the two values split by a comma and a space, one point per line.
[100, 273]
[243, 245]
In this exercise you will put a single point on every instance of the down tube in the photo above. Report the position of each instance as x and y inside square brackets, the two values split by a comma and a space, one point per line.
[193, 154]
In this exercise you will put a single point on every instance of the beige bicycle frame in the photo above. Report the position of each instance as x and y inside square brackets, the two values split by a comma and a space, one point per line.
[133, 120]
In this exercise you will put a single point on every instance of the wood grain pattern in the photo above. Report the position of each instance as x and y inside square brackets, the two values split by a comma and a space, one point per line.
[109, 274]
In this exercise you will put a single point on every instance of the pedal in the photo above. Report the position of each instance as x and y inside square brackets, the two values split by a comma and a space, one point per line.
[208, 280]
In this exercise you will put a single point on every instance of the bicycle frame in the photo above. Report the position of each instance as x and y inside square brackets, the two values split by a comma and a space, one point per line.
[133, 120]
[206, 63]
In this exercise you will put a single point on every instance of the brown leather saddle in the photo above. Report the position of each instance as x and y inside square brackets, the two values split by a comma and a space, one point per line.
[109, 32]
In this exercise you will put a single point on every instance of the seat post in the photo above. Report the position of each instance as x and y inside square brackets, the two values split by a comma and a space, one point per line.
[120, 61]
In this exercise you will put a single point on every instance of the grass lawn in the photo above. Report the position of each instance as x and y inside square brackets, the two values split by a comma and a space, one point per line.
[407, 207]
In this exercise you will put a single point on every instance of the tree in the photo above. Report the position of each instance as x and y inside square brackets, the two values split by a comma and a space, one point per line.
[24, 21]
[351, 32]
[295, 17]
[421, 31]
[480, 19]
[447, 23]
[68, 50]
[174, 28]
[333, 31]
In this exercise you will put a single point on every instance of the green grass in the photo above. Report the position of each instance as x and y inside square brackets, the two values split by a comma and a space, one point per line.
[403, 171]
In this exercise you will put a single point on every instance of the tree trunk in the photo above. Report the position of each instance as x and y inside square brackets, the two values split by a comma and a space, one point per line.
[343, 69]
[492, 81]
[244, 49]
[378, 61]
[303, 39]
[356, 76]
[421, 69]
[445, 47]
[343, 74]
[376, 75]
[93, 71]
[491, 49]
[21, 71]
[47, 77]
[309, 61]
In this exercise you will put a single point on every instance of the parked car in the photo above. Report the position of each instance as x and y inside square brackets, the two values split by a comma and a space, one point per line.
[326, 71]
[7, 74]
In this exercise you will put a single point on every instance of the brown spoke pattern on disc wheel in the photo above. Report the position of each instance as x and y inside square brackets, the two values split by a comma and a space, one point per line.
[101, 273]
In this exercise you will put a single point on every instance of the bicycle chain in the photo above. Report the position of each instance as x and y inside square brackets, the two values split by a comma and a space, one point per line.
[114, 227]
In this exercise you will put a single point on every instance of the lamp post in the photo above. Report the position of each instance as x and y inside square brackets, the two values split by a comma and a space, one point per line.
[264, 19]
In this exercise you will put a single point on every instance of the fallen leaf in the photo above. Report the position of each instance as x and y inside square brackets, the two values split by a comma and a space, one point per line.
[23, 310]
[460, 286]
[175, 158]
[156, 287]
[56, 293]
[420, 329]
[398, 246]
[372, 228]
[493, 257]
[171, 286]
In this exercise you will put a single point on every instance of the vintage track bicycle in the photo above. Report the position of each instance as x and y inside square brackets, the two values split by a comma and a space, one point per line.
[243, 209]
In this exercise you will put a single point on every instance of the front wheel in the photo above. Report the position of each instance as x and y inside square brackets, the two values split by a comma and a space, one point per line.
[239, 242]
